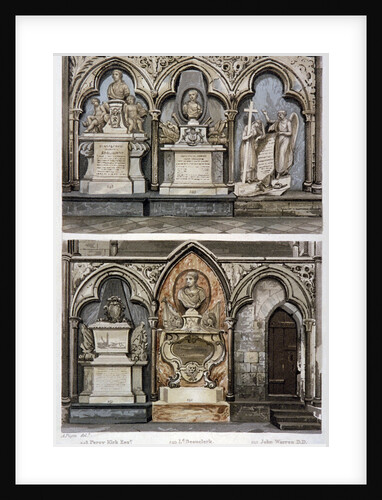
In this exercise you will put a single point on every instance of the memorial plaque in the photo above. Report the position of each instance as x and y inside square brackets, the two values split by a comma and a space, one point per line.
[111, 160]
[193, 167]
[112, 380]
[193, 349]
[265, 158]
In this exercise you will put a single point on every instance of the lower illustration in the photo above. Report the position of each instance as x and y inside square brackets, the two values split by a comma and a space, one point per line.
[225, 333]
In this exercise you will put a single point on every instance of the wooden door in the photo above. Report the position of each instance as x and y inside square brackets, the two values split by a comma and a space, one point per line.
[282, 354]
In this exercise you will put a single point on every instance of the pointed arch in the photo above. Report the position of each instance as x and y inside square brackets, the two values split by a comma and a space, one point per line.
[89, 289]
[201, 251]
[89, 83]
[295, 291]
[166, 84]
[289, 78]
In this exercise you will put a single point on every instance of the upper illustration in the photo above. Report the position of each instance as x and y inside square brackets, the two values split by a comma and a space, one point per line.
[192, 144]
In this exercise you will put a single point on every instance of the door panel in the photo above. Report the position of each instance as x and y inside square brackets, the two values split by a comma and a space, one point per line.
[282, 354]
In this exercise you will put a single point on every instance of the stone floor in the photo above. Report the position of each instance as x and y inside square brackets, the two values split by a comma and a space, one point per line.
[192, 225]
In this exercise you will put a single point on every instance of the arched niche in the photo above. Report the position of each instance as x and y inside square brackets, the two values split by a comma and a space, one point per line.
[216, 82]
[191, 258]
[269, 92]
[89, 290]
[295, 291]
[135, 312]
[89, 72]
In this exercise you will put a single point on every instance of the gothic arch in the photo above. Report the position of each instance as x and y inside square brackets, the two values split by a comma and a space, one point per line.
[89, 289]
[166, 85]
[86, 81]
[295, 291]
[180, 253]
[289, 78]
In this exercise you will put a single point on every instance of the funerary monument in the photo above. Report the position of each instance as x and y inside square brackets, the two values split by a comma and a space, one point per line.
[192, 135]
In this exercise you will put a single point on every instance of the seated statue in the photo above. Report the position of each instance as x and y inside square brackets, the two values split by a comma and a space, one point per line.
[192, 296]
[99, 118]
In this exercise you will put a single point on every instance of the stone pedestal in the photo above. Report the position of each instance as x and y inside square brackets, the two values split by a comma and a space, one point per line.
[192, 351]
[114, 163]
[192, 166]
[112, 377]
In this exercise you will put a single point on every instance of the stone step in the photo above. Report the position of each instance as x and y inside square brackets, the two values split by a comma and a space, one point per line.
[298, 426]
[295, 418]
[287, 405]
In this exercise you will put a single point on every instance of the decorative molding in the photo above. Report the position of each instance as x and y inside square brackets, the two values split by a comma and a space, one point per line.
[307, 274]
[235, 271]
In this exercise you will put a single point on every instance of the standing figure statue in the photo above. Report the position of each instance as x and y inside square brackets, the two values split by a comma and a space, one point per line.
[286, 132]
[248, 153]
[134, 113]
[192, 296]
[99, 118]
[191, 108]
[118, 89]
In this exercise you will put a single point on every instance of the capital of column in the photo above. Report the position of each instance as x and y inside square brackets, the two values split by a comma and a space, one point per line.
[153, 322]
[74, 113]
[310, 115]
[230, 114]
[309, 323]
[74, 321]
[155, 113]
[230, 322]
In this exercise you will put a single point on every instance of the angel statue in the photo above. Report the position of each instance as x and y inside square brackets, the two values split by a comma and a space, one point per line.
[134, 114]
[286, 132]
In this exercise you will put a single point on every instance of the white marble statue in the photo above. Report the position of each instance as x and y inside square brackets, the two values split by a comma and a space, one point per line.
[286, 132]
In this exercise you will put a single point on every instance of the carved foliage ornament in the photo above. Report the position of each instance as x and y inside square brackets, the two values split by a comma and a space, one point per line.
[307, 274]
[235, 271]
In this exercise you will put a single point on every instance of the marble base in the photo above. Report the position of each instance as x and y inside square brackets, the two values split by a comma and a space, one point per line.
[277, 188]
[107, 414]
[106, 187]
[191, 395]
[112, 379]
[196, 190]
[190, 412]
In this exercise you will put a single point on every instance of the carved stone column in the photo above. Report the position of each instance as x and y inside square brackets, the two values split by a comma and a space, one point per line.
[309, 134]
[73, 358]
[154, 390]
[155, 113]
[230, 322]
[318, 307]
[310, 381]
[317, 185]
[74, 117]
[65, 340]
[66, 179]
[230, 114]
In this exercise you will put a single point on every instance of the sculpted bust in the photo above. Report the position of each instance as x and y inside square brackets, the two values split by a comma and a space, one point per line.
[192, 296]
[192, 108]
[118, 89]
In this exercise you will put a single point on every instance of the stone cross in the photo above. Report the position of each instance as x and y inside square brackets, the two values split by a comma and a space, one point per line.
[249, 110]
